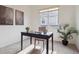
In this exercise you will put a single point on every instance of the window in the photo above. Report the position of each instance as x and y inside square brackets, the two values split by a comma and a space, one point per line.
[49, 17]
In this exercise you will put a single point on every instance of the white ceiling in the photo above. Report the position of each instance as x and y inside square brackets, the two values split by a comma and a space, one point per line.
[42, 6]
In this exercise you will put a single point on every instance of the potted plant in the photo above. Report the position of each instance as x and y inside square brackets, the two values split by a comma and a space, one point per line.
[27, 29]
[66, 33]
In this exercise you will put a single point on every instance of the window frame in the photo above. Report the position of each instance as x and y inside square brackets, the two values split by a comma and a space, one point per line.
[48, 11]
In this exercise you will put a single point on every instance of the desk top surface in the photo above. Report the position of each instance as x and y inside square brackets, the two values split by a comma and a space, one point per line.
[39, 33]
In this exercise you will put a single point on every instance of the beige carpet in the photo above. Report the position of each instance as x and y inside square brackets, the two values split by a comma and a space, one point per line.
[58, 48]
[35, 51]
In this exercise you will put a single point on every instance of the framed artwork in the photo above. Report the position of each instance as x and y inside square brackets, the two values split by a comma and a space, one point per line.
[6, 15]
[19, 17]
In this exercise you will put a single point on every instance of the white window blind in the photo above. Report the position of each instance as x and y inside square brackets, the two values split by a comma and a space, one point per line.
[49, 17]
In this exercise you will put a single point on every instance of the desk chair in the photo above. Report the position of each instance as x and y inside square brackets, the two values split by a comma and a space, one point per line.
[40, 29]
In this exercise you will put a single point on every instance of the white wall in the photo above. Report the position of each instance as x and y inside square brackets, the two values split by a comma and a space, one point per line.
[66, 16]
[10, 34]
[77, 25]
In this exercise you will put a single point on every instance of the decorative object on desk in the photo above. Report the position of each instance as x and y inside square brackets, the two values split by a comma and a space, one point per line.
[19, 17]
[66, 33]
[27, 29]
[45, 31]
[38, 32]
[6, 15]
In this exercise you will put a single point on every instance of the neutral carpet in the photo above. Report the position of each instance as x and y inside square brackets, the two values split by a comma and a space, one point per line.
[14, 48]
[58, 48]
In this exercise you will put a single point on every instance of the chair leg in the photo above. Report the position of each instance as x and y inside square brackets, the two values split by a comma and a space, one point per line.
[43, 46]
[34, 43]
[38, 42]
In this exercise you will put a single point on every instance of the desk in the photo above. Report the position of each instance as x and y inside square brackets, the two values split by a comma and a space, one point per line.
[46, 36]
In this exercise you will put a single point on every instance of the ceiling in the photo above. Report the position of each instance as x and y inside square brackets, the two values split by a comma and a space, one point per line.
[42, 6]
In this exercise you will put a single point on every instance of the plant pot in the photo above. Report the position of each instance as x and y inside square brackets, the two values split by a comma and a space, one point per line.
[64, 42]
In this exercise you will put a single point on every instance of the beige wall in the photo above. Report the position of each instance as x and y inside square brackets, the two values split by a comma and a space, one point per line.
[66, 16]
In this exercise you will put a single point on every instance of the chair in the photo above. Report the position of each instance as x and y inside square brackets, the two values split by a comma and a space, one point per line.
[40, 29]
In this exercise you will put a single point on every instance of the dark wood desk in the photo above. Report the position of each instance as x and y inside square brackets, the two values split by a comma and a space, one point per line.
[37, 35]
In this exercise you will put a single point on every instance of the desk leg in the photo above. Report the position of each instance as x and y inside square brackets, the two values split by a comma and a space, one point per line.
[30, 40]
[52, 43]
[21, 42]
[47, 46]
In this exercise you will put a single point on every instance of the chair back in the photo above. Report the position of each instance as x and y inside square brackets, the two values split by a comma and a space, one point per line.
[42, 29]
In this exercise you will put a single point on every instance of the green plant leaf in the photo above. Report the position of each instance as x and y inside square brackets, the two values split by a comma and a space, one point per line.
[62, 37]
[63, 33]
[66, 25]
[70, 37]
[66, 33]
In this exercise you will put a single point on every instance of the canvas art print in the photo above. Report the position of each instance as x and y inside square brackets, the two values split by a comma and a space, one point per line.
[19, 17]
[6, 15]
